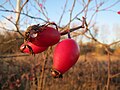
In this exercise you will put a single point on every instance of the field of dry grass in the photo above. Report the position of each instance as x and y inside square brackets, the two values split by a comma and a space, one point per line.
[89, 73]
[27, 72]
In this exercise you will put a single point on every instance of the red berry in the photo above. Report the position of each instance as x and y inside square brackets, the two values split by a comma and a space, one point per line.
[65, 55]
[118, 12]
[48, 37]
[36, 49]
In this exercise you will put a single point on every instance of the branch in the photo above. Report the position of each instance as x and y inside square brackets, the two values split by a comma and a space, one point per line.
[11, 56]
[9, 41]
[80, 11]
[73, 29]
[8, 20]
[3, 3]
[114, 43]
[75, 17]
[86, 10]
[110, 5]
[109, 73]
[115, 75]
[43, 10]
[11, 3]
[6, 29]
[72, 11]
[63, 12]
[23, 14]
[43, 70]
[15, 26]
[20, 13]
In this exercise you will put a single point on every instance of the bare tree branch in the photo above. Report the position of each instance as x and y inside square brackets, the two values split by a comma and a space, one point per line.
[118, 1]
[15, 26]
[22, 13]
[11, 56]
[109, 72]
[71, 11]
[43, 10]
[63, 12]
[76, 16]
[114, 43]
[12, 40]
[73, 29]
[18, 17]
[115, 75]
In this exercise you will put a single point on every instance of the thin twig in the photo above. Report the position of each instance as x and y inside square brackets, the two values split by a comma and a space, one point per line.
[115, 75]
[110, 6]
[109, 73]
[22, 13]
[12, 40]
[14, 25]
[43, 71]
[11, 56]
[71, 12]
[86, 10]
[73, 29]
[18, 18]
[79, 13]
[42, 9]
[114, 43]
[75, 17]
[63, 12]
[8, 20]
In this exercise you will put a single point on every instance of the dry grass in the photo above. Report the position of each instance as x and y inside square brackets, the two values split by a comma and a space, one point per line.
[87, 74]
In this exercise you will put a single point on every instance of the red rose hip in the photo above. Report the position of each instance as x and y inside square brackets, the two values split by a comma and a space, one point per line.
[35, 49]
[65, 55]
[47, 37]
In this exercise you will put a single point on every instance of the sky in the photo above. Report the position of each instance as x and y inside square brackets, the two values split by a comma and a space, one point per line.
[107, 21]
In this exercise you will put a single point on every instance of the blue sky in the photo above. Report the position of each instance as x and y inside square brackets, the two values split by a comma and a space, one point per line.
[55, 8]
[107, 19]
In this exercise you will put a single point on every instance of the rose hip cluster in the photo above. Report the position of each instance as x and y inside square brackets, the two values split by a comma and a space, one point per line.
[39, 38]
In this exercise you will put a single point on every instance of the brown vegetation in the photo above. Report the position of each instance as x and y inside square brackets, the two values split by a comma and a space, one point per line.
[26, 73]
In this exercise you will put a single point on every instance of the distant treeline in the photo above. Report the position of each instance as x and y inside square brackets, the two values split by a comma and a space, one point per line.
[11, 41]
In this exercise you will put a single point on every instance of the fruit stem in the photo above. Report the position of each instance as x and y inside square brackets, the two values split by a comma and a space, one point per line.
[69, 34]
